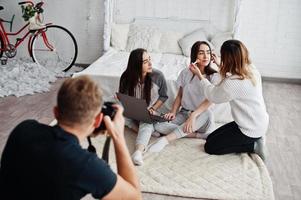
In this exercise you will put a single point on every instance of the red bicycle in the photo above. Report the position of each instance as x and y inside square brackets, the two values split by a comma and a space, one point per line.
[49, 45]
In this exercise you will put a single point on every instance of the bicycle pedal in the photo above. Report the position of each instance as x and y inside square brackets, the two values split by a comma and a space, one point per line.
[3, 62]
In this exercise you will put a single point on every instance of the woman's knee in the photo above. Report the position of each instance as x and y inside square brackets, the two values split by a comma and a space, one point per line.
[165, 127]
[208, 147]
[145, 127]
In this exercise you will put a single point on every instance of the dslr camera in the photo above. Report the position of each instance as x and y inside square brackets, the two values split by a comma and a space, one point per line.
[107, 109]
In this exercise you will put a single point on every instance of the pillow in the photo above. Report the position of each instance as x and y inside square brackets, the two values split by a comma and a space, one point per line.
[119, 36]
[169, 42]
[141, 36]
[211, 31]
[219, 39]
[188, 40]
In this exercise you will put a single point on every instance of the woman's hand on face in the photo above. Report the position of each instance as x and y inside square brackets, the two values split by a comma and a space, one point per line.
[195, 70]
[216, 59]
[170, 116]
[189, 124]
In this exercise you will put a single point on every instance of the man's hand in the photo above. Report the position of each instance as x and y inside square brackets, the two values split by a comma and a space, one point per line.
[115, 128]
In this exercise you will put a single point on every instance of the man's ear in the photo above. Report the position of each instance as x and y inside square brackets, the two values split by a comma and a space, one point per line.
[56, 112]
[98, 120]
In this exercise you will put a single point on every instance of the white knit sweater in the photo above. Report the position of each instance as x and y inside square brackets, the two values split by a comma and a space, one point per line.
[246, 101]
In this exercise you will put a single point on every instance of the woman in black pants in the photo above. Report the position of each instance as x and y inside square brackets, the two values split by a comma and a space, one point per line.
[240, 86]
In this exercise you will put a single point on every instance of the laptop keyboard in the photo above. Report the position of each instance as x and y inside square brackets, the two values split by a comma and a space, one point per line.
[158, 118]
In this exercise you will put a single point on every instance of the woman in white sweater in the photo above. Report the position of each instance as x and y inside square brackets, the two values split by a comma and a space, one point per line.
[240, 86]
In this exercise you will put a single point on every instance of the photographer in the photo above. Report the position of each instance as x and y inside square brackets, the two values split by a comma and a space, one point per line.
[44, 162]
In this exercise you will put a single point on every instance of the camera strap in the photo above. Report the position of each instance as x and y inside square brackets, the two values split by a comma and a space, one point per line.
[91, 148]
[105, 150]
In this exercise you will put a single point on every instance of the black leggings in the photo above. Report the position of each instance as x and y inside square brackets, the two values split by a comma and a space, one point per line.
[229, 139]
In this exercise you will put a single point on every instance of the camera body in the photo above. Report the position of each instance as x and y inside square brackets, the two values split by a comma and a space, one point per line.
[107, 109]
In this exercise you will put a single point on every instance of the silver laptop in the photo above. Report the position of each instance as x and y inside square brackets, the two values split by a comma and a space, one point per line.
[137, 109]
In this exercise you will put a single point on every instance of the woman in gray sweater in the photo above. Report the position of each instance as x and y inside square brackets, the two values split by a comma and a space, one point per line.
[140, 80]
[240, 86]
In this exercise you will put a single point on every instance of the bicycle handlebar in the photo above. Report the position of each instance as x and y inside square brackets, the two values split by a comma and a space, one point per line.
[38, 6]
[25, 2]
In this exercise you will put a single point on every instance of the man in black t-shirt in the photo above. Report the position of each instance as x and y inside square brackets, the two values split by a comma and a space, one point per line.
[44, 162]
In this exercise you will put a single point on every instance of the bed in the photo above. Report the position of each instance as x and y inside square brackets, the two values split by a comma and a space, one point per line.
[168, 40]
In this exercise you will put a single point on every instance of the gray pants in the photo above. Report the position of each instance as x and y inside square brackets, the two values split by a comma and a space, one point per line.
[204, 124]
[144, 132]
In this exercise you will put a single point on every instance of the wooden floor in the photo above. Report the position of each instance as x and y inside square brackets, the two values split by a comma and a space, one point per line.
[283, 102]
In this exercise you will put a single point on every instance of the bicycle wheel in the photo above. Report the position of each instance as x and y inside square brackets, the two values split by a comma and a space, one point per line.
[1, 46]
[54, 48]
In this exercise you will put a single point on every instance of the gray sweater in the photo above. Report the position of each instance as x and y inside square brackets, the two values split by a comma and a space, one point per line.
[158, 90]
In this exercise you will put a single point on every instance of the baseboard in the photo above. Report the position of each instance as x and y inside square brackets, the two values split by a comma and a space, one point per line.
[83, 65]
[282, 80]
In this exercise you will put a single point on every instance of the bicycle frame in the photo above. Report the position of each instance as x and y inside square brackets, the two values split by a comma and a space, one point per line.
[5, 35]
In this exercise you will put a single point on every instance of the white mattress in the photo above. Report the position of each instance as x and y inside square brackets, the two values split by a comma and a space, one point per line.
[106, 71]
[114, 62]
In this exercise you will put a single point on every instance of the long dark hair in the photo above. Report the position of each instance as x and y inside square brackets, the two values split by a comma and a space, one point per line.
[133, 74]
[194, 54]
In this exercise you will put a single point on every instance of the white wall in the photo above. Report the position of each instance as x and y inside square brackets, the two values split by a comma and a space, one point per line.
[219, 12]
[270, 28]
[83, 18]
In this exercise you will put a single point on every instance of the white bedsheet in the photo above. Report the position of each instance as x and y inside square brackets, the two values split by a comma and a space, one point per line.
[106, 71]
[114, 62]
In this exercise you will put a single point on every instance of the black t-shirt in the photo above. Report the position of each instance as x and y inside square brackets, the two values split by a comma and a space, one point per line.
[44, 162]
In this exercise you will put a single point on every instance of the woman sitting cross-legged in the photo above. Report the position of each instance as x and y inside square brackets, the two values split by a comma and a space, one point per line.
[142, 81]
[241, 87]
[194, 119]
